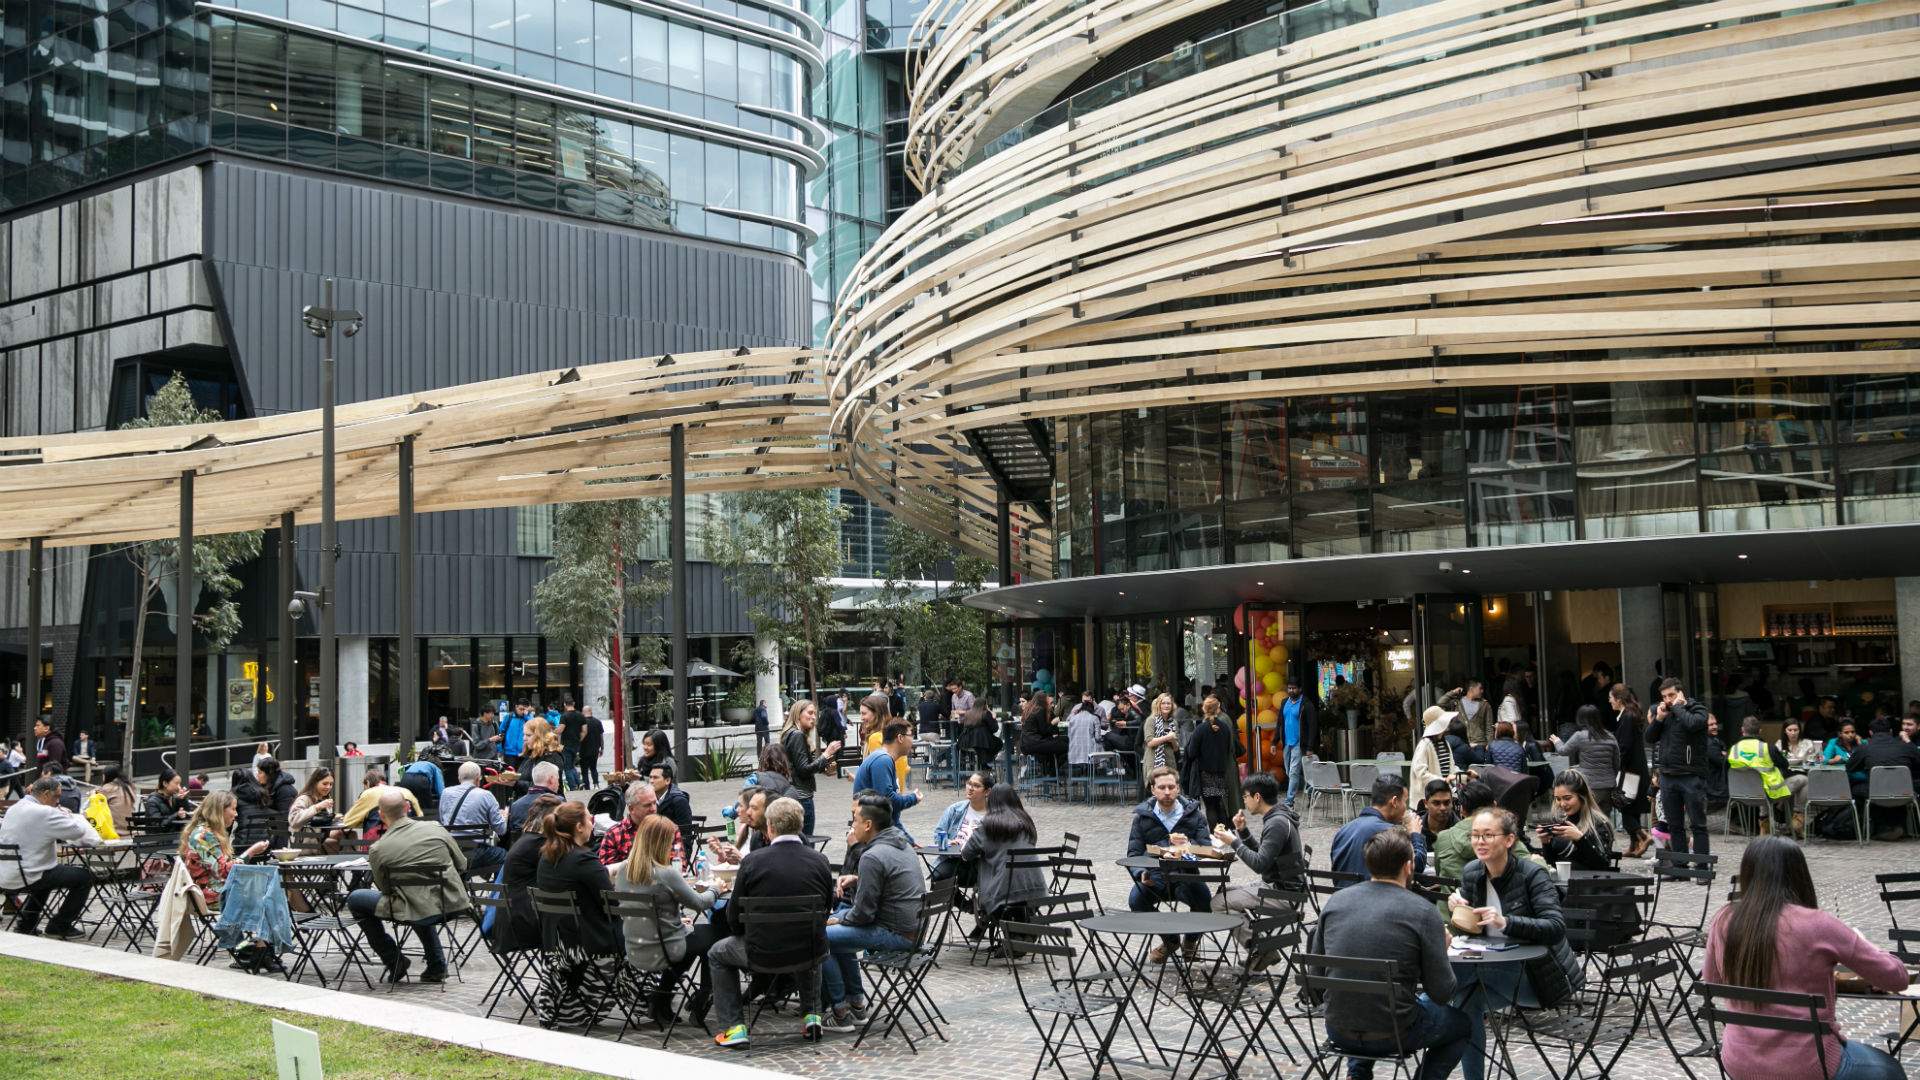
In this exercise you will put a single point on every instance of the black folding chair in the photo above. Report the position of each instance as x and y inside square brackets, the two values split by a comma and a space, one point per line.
[983, 947]
[1763, 1010]
[1899, 889]
[452, 946]
[1617, 1006]
[1250, 1000]
[899, 977]
[1316, 974]
[1324, 883]
[1681, 870]
[638, 986]
[518, 969]
[323, 926]
[777, 917]
[1065, 1007]
[1071, 872]
[598, 989]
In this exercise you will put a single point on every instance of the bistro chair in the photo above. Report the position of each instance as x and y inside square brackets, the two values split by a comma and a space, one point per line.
[322, 926]
[1746, 795]
[1320, 974]
[637, 991]
[1891, 786]
[898, 977]
[518, 969]
[1829, 788]
[1897, 889]
[598, 990]
[1323, 782]
[1763, 1010]
[1059, 1005]
[1359, 788]
[785, 916]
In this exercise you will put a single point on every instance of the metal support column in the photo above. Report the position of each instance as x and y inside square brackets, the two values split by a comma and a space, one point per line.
[329, 550]
[283, 676]
[1003, 517]
[183, 634]
[1090, 648]
[409, 649]
[30, 706]
[677, 600]
[1543, 723]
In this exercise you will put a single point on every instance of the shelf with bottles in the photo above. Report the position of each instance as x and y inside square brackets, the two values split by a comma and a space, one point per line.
[1829, 621]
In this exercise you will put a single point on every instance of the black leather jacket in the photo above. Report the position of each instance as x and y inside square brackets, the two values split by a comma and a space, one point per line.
[1531, 903]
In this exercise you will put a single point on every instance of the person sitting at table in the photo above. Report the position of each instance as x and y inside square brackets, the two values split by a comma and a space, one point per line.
[617, 844]
[665, 943]
[957, 823]
[1280, 859]
[672, 803]
[749, 828]
[785, 867]
[1764, 759]
[1381, 919]
[544, 780]
[1436, 814]
[1842, 745]
[1504, 898]
[1433, 757]
[1454, 850]
[1800, 754]
[1004, 890]
[1083, 733]
[470, 803]
[1040, 737]
[314, 801]
[1882, 748]
[521, 929]
[122, 797]
[168, 800]
[39, 826]
[1388, 811]
[416, 847]
[1505, 750]
[588, 949]
[1776, 937]
[361, 813]
[656, 748]
[1581, 834]
[1165, 819]
[885, 914]
[206, 853]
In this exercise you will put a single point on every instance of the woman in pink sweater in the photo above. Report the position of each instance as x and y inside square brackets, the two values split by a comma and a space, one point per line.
[1775, 937]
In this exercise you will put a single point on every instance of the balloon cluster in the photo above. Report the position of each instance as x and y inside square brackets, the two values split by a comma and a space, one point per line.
[1263, 681]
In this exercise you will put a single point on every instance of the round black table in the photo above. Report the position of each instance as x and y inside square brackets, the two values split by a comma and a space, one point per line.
[1160, 923]
[1139, 862]
[1466, 966]
[1145, 927]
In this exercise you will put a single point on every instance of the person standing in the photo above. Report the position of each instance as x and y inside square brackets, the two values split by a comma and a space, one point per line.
[1476, 712]
[1679, 731]
[760, 726]
[571, 725]
[513, 735]
[1635, 787]
[1299, 733]
[879, 773]
[48, 748]
[593, 737]
[807, 758]
[1212, 750]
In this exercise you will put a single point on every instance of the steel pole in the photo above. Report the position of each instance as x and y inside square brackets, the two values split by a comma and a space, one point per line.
[677, 601]
[183, 634]
[409, 651]
[329, 542]
[30, 707]
[283, 680]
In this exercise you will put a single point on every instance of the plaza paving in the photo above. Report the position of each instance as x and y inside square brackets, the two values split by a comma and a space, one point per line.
[990, 1037]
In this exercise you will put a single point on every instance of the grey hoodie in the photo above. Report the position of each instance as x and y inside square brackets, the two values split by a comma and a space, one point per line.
[890, 887]
[1280, 859]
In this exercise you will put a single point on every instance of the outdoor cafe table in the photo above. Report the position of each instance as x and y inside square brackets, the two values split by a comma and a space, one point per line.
[1907, 1011]
[1468, 968]
[1137, 931]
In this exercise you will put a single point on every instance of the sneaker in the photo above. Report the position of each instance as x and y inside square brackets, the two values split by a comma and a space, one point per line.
[733, 1036]
[840, 1020]
[1158, 955]
[811, 1027]
[69, 933]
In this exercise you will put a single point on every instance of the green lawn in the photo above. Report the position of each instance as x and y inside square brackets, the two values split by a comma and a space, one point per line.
[70, 1023]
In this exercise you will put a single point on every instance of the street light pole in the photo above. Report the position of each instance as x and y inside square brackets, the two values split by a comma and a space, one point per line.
[320, 322]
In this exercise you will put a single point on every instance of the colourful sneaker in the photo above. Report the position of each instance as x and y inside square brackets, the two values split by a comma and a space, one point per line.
[812, 1029]
[733, 1036]
[841, 1020]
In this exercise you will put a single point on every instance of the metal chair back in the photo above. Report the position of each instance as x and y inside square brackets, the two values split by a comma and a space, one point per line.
[1764, 1010]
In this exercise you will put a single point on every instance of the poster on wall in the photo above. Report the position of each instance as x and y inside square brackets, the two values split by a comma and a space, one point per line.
[122, 700]
[240, 700]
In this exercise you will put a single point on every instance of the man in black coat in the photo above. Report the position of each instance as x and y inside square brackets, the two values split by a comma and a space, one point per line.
[1883, 748]
[1679, 735]
[1164, 820]
[786, 866]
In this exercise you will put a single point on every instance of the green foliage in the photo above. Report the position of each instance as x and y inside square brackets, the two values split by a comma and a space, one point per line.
[780, 549]
[719, 764]
[739, 695]
[588, 588]
[216, 614]
[938, 636]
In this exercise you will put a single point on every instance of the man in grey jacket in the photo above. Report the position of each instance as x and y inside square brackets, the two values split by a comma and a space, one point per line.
[885, 915]
[1280, 860]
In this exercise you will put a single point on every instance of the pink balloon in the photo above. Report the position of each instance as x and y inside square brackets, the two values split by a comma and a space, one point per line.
[1240, 680]
[1240, 619]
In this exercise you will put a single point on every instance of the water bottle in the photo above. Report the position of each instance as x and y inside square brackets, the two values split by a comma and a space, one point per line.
[700, 872]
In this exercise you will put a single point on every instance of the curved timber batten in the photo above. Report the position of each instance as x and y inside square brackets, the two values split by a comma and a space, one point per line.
[1469, 192]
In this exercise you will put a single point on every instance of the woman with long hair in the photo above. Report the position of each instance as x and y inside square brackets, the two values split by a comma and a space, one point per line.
[521, 928]
[206, 850]
[315, 799]
[1775, 937]
[876, 712]
[1001, 889]
[1636, 787]
[539, 742]
[584, 954]
[664, 943]
[1581, 834]
[656, 748]
[1210, 756]
[1594, 751]
[1163, 734]
[1038, 736]
[774, 774]
[808, 759]
[1513, 702]
[1801, 754]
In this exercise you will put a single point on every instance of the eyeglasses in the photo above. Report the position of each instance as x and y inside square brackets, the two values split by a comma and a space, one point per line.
[1489, 837]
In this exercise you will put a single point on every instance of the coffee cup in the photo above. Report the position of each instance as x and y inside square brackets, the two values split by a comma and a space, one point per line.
[1466, 920]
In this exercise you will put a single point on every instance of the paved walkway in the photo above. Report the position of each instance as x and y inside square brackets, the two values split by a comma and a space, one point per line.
[989, 1035]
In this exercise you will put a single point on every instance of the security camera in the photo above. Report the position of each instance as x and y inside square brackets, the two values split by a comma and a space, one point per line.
[297, 606]
[1446, 567]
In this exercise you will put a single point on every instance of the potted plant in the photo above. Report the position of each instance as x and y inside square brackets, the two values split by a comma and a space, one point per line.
[737, 706]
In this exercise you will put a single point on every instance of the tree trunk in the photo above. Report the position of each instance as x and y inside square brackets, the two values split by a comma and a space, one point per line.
[132, 726]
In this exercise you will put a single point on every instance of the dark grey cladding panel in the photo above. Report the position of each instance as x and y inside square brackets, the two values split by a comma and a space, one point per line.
[457, 292]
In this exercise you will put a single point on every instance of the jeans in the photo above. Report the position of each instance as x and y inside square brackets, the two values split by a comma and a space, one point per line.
[840, 978]
[75, 879]
[1150, 890]
[1859, 1061]
[1683, 802]
[364, 903]
[570, 766]
[726, 960]
[1238, 898]
[806, 811]
[485, 858]
[1492, 986]
[1441, 1030]
[1296, 773]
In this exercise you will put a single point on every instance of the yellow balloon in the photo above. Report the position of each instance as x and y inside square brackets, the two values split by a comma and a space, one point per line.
[1278, 654]
[1268, 717]
[1272, 682]
[1262, 665]
[1263, 701]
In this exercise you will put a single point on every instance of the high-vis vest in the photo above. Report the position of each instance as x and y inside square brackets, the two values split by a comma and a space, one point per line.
[1753, 754]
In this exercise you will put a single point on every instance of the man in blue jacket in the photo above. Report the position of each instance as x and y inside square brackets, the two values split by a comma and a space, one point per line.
[879, 774]
[1165, 819]
[1389, 811]
[513, 735]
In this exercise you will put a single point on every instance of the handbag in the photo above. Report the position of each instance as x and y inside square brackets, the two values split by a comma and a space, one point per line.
[1626, 792]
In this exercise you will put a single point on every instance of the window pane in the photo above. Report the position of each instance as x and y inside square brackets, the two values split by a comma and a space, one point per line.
[1196, 540]
[650, 48]
[1640, 498]
[260, 72]
[1420, 516]
[573, 30]
[1882, 482]
[1193, 456]
[1330, 523]
[685, 58]
[689, 168]
[723, 175]
[1148, 542]
[1768, 489]
[1874, 407]
[1417, 436]
[1628, 421]
[452, 118]
[493, 20]
[613, 38]
[756, 74]
[722, 68]
[454, 15]
[492, 127]
[1109, 478]
[1518, 427]
[575, 130]
[1258, 530]
[1144, 457]
[1532, 507]
[310, 93]
[533, 25]
[756, 182]
[786, 82]
[406, 111]
[1256, 449]
[533, 136]
[1328, 444]
[1740, 413]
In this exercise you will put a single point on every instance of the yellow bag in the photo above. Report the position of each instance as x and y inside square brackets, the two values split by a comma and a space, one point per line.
[99, 816]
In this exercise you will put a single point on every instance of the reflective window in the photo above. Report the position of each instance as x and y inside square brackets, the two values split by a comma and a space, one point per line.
[1193, 456]
[1640, 498]
[1420, 515]
[494, 20]
[1869, 408]
[573, 30]
[1256, 440]
[722, 69]
[533, 25]
[649, 47]
[1144, 457]
[686, 58]
[1530, 507]
[1881, 481]
[1328, 443]
[1417, 436]
[1259, 530]
[1632, 420]
[1518, 427]
[1331, 522]
[1770, 488]
[613, 38]
[1740, 413]
[451, 15]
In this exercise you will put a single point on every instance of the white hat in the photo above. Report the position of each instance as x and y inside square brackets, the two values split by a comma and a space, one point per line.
[1437, 721]
[1137, 690]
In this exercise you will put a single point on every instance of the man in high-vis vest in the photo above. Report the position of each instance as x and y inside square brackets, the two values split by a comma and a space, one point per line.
[1754, 752]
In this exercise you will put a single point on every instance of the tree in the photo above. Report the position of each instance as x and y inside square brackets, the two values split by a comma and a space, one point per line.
[155, 562]
[584, 599]
[780, 549]
[939, 637]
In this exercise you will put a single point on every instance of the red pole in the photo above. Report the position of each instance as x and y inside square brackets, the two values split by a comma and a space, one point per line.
[616, 695]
